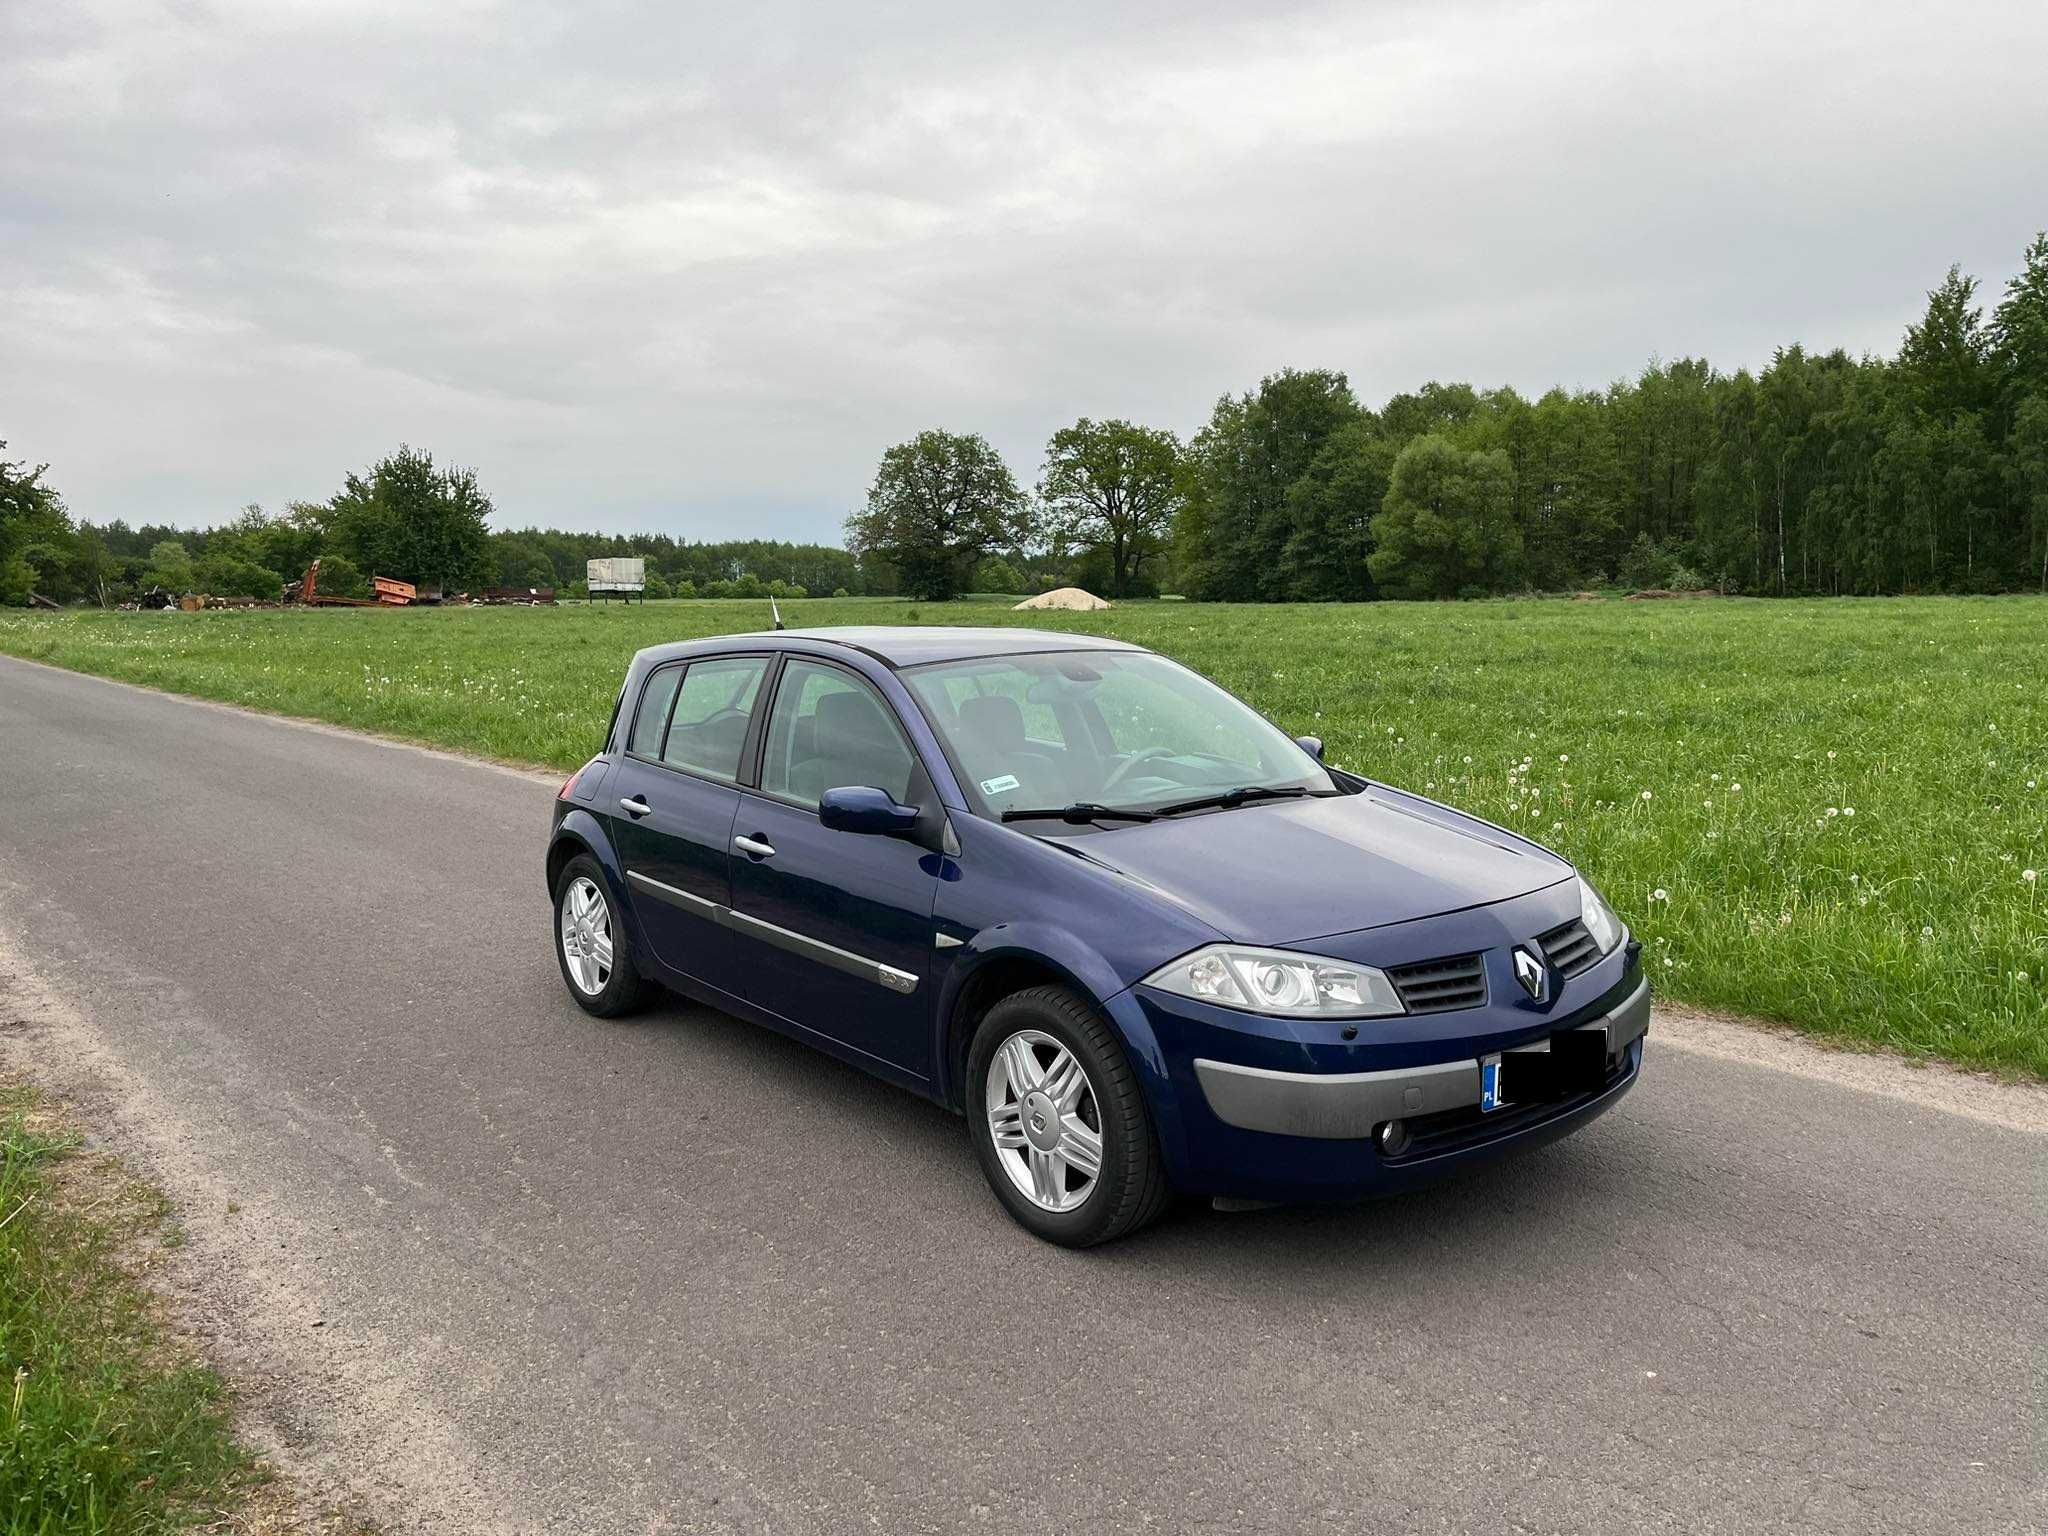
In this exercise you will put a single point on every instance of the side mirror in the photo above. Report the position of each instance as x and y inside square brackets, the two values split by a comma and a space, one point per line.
[1312, 745]
[863, 808]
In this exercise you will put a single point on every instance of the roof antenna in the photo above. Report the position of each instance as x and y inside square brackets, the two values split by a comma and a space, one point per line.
[778, 614]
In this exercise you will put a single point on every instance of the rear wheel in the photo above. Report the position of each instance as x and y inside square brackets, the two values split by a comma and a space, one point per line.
[591, 944]
[1059, 1122]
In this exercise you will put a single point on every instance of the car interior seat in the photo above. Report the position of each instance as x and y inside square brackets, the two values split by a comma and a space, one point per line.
[993, 743]
[852, 743]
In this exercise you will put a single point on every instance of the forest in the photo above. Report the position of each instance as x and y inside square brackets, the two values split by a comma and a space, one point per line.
[1821, 474]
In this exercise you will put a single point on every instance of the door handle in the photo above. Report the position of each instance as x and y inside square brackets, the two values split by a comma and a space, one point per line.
[755, 846]
[635, 806]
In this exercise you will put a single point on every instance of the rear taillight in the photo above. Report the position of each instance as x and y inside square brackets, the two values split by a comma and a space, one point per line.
[569, 783]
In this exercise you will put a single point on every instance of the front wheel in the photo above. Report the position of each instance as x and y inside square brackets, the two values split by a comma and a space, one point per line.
[591, 944]
[1059, 1122]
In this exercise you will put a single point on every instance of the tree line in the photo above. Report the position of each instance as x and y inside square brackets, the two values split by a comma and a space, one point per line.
[404, 516]
[1823, 473]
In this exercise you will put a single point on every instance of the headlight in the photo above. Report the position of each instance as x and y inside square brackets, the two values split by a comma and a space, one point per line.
[1283, 982]
[1599, 918]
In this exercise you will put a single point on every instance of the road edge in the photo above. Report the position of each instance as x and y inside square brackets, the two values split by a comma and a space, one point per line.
[347, 1430]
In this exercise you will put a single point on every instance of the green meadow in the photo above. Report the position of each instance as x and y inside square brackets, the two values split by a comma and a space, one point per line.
[1830, 813]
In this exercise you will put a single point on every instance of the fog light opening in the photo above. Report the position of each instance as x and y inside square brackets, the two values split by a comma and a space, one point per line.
[1393, 1138]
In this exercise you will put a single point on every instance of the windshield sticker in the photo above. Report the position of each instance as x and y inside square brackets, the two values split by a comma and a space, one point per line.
[1001, 786]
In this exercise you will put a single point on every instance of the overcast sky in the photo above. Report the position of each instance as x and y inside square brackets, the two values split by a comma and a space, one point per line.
[691, 269]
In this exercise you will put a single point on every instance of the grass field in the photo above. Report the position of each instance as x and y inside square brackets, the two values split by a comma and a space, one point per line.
[1823, 813]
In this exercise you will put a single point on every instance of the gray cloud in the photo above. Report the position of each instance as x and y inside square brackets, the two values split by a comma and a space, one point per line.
[692, 268]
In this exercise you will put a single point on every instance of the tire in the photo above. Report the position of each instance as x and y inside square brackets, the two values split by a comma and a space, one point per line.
[1035, 1144]
[609, 987]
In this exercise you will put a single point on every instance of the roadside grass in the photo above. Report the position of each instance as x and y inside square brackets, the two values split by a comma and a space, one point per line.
[106, 1423]
[1816, 812]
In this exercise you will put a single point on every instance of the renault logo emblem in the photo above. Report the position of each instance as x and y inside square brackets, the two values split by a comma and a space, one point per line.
[1530, 973]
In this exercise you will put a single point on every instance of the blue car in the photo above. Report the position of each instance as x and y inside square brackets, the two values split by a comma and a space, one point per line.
[1142, 939]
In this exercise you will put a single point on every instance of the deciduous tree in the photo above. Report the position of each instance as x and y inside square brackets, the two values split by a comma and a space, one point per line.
[1445, 529]
[938, 504]
[1112, 485]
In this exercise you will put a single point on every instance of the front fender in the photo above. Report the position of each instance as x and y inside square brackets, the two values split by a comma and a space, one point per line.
[1087, 972]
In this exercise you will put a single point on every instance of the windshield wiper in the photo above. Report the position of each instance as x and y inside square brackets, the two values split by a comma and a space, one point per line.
[1244, 794]
[1080, 813]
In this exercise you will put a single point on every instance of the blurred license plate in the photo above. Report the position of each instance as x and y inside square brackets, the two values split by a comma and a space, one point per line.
[1489, 1084]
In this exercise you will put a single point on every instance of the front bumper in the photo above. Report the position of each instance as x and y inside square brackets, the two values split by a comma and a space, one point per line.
[1340, 1106]
[1285, 1110]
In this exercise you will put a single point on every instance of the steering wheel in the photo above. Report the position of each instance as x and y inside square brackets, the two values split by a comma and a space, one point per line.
[1123, 769]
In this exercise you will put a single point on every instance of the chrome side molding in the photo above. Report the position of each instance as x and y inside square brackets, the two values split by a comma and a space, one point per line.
[782, 938]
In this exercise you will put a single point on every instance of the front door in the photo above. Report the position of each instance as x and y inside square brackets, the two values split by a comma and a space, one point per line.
[672, 800]
[833, 930]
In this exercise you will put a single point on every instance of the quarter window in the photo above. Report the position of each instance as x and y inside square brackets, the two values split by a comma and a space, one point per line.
[830, 730]
[652, 718]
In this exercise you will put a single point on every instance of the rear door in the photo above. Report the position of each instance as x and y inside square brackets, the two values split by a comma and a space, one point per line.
[672, 801]
[833, 930]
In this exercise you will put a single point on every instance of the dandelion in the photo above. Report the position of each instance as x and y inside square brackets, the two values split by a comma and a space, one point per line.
[2030, 875]
[1926, 933]
[1646, 794]
[1848, 810]
[1667, 962]
[1565, 757]
[1715, 777]
[1468, 757]
[1660, 894]
[1734, 789]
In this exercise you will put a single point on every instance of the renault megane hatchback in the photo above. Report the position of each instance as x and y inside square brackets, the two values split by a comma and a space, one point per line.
[1140, 938]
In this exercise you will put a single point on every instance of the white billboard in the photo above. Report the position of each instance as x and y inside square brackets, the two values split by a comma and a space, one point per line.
[624, 573]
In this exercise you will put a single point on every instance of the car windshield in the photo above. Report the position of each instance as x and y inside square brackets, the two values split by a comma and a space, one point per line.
[1104, 730]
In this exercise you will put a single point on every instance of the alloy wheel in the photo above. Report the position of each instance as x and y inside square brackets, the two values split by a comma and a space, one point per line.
[587, 936]
[1044, 1120]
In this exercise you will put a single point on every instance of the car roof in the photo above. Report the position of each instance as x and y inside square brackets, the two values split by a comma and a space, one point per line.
[906, 645]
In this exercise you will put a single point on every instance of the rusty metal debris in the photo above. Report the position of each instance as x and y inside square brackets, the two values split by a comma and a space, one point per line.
[538, 596]
[391, 593]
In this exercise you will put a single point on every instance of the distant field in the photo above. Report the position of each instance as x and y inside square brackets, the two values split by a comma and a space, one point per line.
[1818, 812]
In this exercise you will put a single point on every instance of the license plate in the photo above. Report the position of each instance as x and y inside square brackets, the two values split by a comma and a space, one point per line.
[1489, 1084]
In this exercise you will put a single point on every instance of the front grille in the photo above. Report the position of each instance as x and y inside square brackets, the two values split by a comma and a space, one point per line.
[1438, 986]
[1570, 949]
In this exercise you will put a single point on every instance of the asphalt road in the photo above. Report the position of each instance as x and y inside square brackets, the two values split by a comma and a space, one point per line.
[678, 1273]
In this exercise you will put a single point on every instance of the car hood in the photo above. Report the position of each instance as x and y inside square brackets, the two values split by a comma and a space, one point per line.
[1285, 871]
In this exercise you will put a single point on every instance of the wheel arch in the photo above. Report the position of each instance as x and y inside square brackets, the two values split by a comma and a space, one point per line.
[986, 974]
[1014, 958]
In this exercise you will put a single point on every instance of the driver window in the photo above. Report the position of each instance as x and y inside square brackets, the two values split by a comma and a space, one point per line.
[829, 730]
[709, 727]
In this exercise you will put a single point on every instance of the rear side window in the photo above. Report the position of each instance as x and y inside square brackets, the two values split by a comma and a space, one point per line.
[652, 715]
[708, 727]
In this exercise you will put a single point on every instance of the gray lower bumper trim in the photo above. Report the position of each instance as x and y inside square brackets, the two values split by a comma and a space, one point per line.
[1342, 1106]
